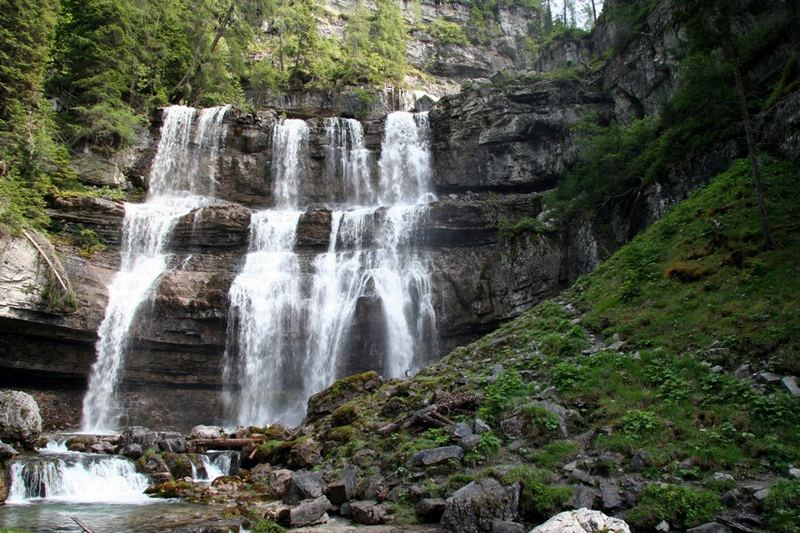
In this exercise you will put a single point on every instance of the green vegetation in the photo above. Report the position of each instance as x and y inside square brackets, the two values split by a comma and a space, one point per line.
[783, 506]
[679, 506]
[446, 32]
[539, 498]
[524, 226]
[266, 526]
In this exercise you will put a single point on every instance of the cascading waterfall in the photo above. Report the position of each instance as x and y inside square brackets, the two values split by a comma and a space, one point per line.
[182, 179]
[287, 342]
[76, 478]
[348, 161]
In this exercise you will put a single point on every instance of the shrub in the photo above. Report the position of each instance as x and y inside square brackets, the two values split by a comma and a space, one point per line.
[539, 499]
[682, 507]
[782, 506]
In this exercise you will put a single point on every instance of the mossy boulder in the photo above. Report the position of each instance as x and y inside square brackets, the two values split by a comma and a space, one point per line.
[341, 392]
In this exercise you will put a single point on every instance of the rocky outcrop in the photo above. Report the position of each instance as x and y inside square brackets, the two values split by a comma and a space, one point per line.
[510, 138]
[19, 418]
[473, 508]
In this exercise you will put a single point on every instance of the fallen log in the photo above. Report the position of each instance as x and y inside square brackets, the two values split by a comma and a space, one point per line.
[81, 525]
[226, 444]
[432, 414]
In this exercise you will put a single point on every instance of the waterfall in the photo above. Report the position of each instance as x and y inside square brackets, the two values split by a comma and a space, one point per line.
[181, 179]
[348, 162]
[287, 341]
[216, 464]
[76, 478]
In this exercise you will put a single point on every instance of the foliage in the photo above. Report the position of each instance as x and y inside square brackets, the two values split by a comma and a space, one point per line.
[524, 226]
[446, 32]
[782, 506]
[488, 446]
[501, 394]
[266, 526]
[539, 499]
[680, 506]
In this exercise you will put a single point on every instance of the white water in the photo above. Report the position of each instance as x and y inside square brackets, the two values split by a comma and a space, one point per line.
[183, 172]
[215, 464]
[76, 478]
[288, 342]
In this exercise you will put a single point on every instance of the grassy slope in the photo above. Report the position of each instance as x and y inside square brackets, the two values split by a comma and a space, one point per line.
[695, 277]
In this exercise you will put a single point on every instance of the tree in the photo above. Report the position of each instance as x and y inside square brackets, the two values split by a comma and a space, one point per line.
[713, 25]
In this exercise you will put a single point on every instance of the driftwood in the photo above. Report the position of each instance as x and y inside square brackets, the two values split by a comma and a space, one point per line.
[84, 527]
[64, 286]
[432, 414]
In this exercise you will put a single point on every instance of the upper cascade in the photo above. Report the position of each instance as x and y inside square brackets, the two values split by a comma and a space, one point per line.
[290, 143]
[405, 164]
[181, 179]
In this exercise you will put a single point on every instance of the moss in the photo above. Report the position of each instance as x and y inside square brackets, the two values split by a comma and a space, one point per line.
[273, 451]
[686, 271]
[266, 526]
[522, 227]
[170, 489]
[344, 415]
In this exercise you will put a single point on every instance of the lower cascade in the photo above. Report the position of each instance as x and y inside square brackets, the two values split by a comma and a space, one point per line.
[76, 478]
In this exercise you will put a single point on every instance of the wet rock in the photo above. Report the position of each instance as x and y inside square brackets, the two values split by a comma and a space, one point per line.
[711, 527]
[307, 513]
[504, 526]
[304, 486]
[20, 420]
[142, 436]
[475, 507]
[790, 384]
[435, 456]
[368, 513]
[304, 453]
[180, 465]
[6, 452]
[582, 521]
[132, 451]
[206, 432]
[430, 509]
[172, 442]
[343, 489]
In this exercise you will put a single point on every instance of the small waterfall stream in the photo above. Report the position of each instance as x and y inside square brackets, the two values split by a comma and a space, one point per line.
[182, 179]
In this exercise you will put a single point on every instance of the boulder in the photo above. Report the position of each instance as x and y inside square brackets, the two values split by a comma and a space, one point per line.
[307, 513]
[435, 456]
[371, 488]
[6, 452]
[20, 420]
[132, 451]
[368, 513]
[430, 509]
[790, 384]
[304, 486]
[475, 507]
[582, 521]
[328, 400]
[206, 432]
[504, 526]
[142, 436]
[304, 453]
[172, 442]
[342, 490]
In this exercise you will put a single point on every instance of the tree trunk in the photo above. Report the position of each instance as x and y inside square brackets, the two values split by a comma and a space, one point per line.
[594, 13]
[564, 5]
[769, 241]
[223, 25]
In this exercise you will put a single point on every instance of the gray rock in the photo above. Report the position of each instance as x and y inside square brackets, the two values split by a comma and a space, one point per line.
[206, 432]
[368, 513]
[371, 488]
[790, 384]
[761, 495]
[794, 472]
[616, 346]
[639, 460]
[716, 369]
[473, 508]
[346, 509]
[730, 498]
[20, 420]
[768, 378]
[504, 526]
[711, 527]
[663, 527]
[481, 426]
[171, 441]
[436, 456]
[722, 476]
[430, 509]
[142, 436]
[610, 494]
[461, 431]
[582, 521]
[470, 442]
[583, 497]
[7, 452]
[344, 488]
[307, 513]
[132, 451]
[742, 372]
[304, 486]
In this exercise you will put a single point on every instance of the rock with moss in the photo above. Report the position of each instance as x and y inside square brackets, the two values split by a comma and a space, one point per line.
[20, 420]
[330, 399]
[304, 453]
